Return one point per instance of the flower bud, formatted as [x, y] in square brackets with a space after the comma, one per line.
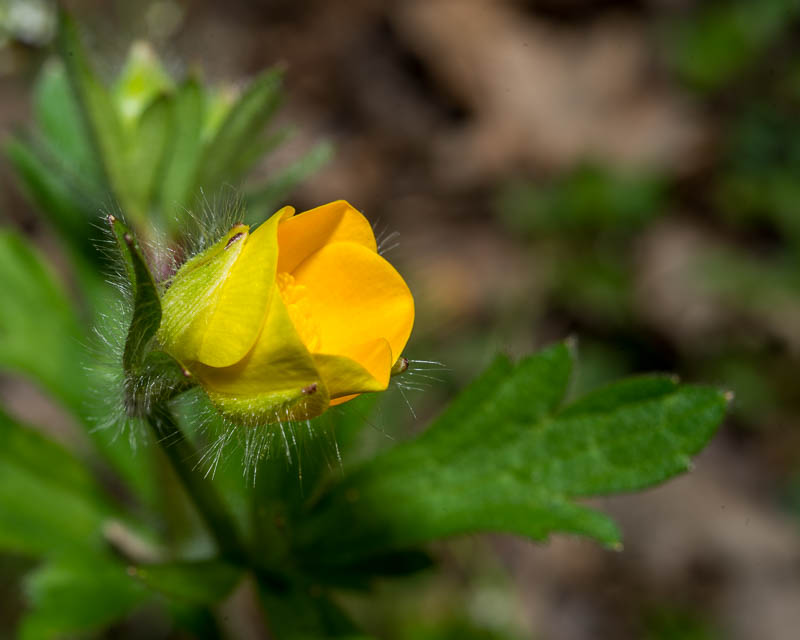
[282, 322]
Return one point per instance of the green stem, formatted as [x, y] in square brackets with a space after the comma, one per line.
[182, 455]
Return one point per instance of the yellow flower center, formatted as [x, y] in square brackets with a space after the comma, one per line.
[295, 298]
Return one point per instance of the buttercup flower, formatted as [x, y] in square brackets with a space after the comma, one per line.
[283, 322]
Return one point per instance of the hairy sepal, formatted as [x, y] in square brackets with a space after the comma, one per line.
[151, 376]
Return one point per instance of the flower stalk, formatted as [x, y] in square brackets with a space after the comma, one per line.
[201, 491]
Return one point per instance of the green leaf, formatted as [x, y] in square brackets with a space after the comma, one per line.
[140, 82]
[41, 338]
[146, 153]
[49, 503]
[203, 582]
[105, 129]
[184, 151]
[39, 334]
[146, 302]
[56, 164]
[240, 129]
[59, 119]
[49, 189]
[503, 457]
[78, 595]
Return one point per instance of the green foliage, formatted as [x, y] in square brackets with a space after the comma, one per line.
[506, 457]
[49, 503]
[583, 222]
[762, 159]
[77, 595]
[725, 38]
[589, 199]
[39, 331]
[205, 582]
[146, 302]
[148, 145]
[676, 624]
[509, 455]
[301, 612]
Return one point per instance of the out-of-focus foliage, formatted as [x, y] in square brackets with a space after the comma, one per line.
[520, 458]
[724, 39]
[592, 199]
[148, 145]
[109, 526]
[591, 226]
[40, 332]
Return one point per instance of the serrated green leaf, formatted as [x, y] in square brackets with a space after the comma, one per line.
[505, 458]
[204, 582]
[48, 501]
[78, 595]
[240, 129]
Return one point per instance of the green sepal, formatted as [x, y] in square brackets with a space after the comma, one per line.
[151, 375]
[146, 302]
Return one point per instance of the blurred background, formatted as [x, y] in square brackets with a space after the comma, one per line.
[622, 172]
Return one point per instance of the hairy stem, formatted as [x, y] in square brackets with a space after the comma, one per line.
[182, 455]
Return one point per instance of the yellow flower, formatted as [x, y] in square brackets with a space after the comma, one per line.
[285, 321]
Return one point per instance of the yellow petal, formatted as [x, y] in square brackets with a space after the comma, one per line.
[245, 297]
[276, 380]
[307, 232]
[367, 371]
[194, 292]
[356, 297]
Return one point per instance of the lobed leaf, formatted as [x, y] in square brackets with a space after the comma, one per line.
[506, 457]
